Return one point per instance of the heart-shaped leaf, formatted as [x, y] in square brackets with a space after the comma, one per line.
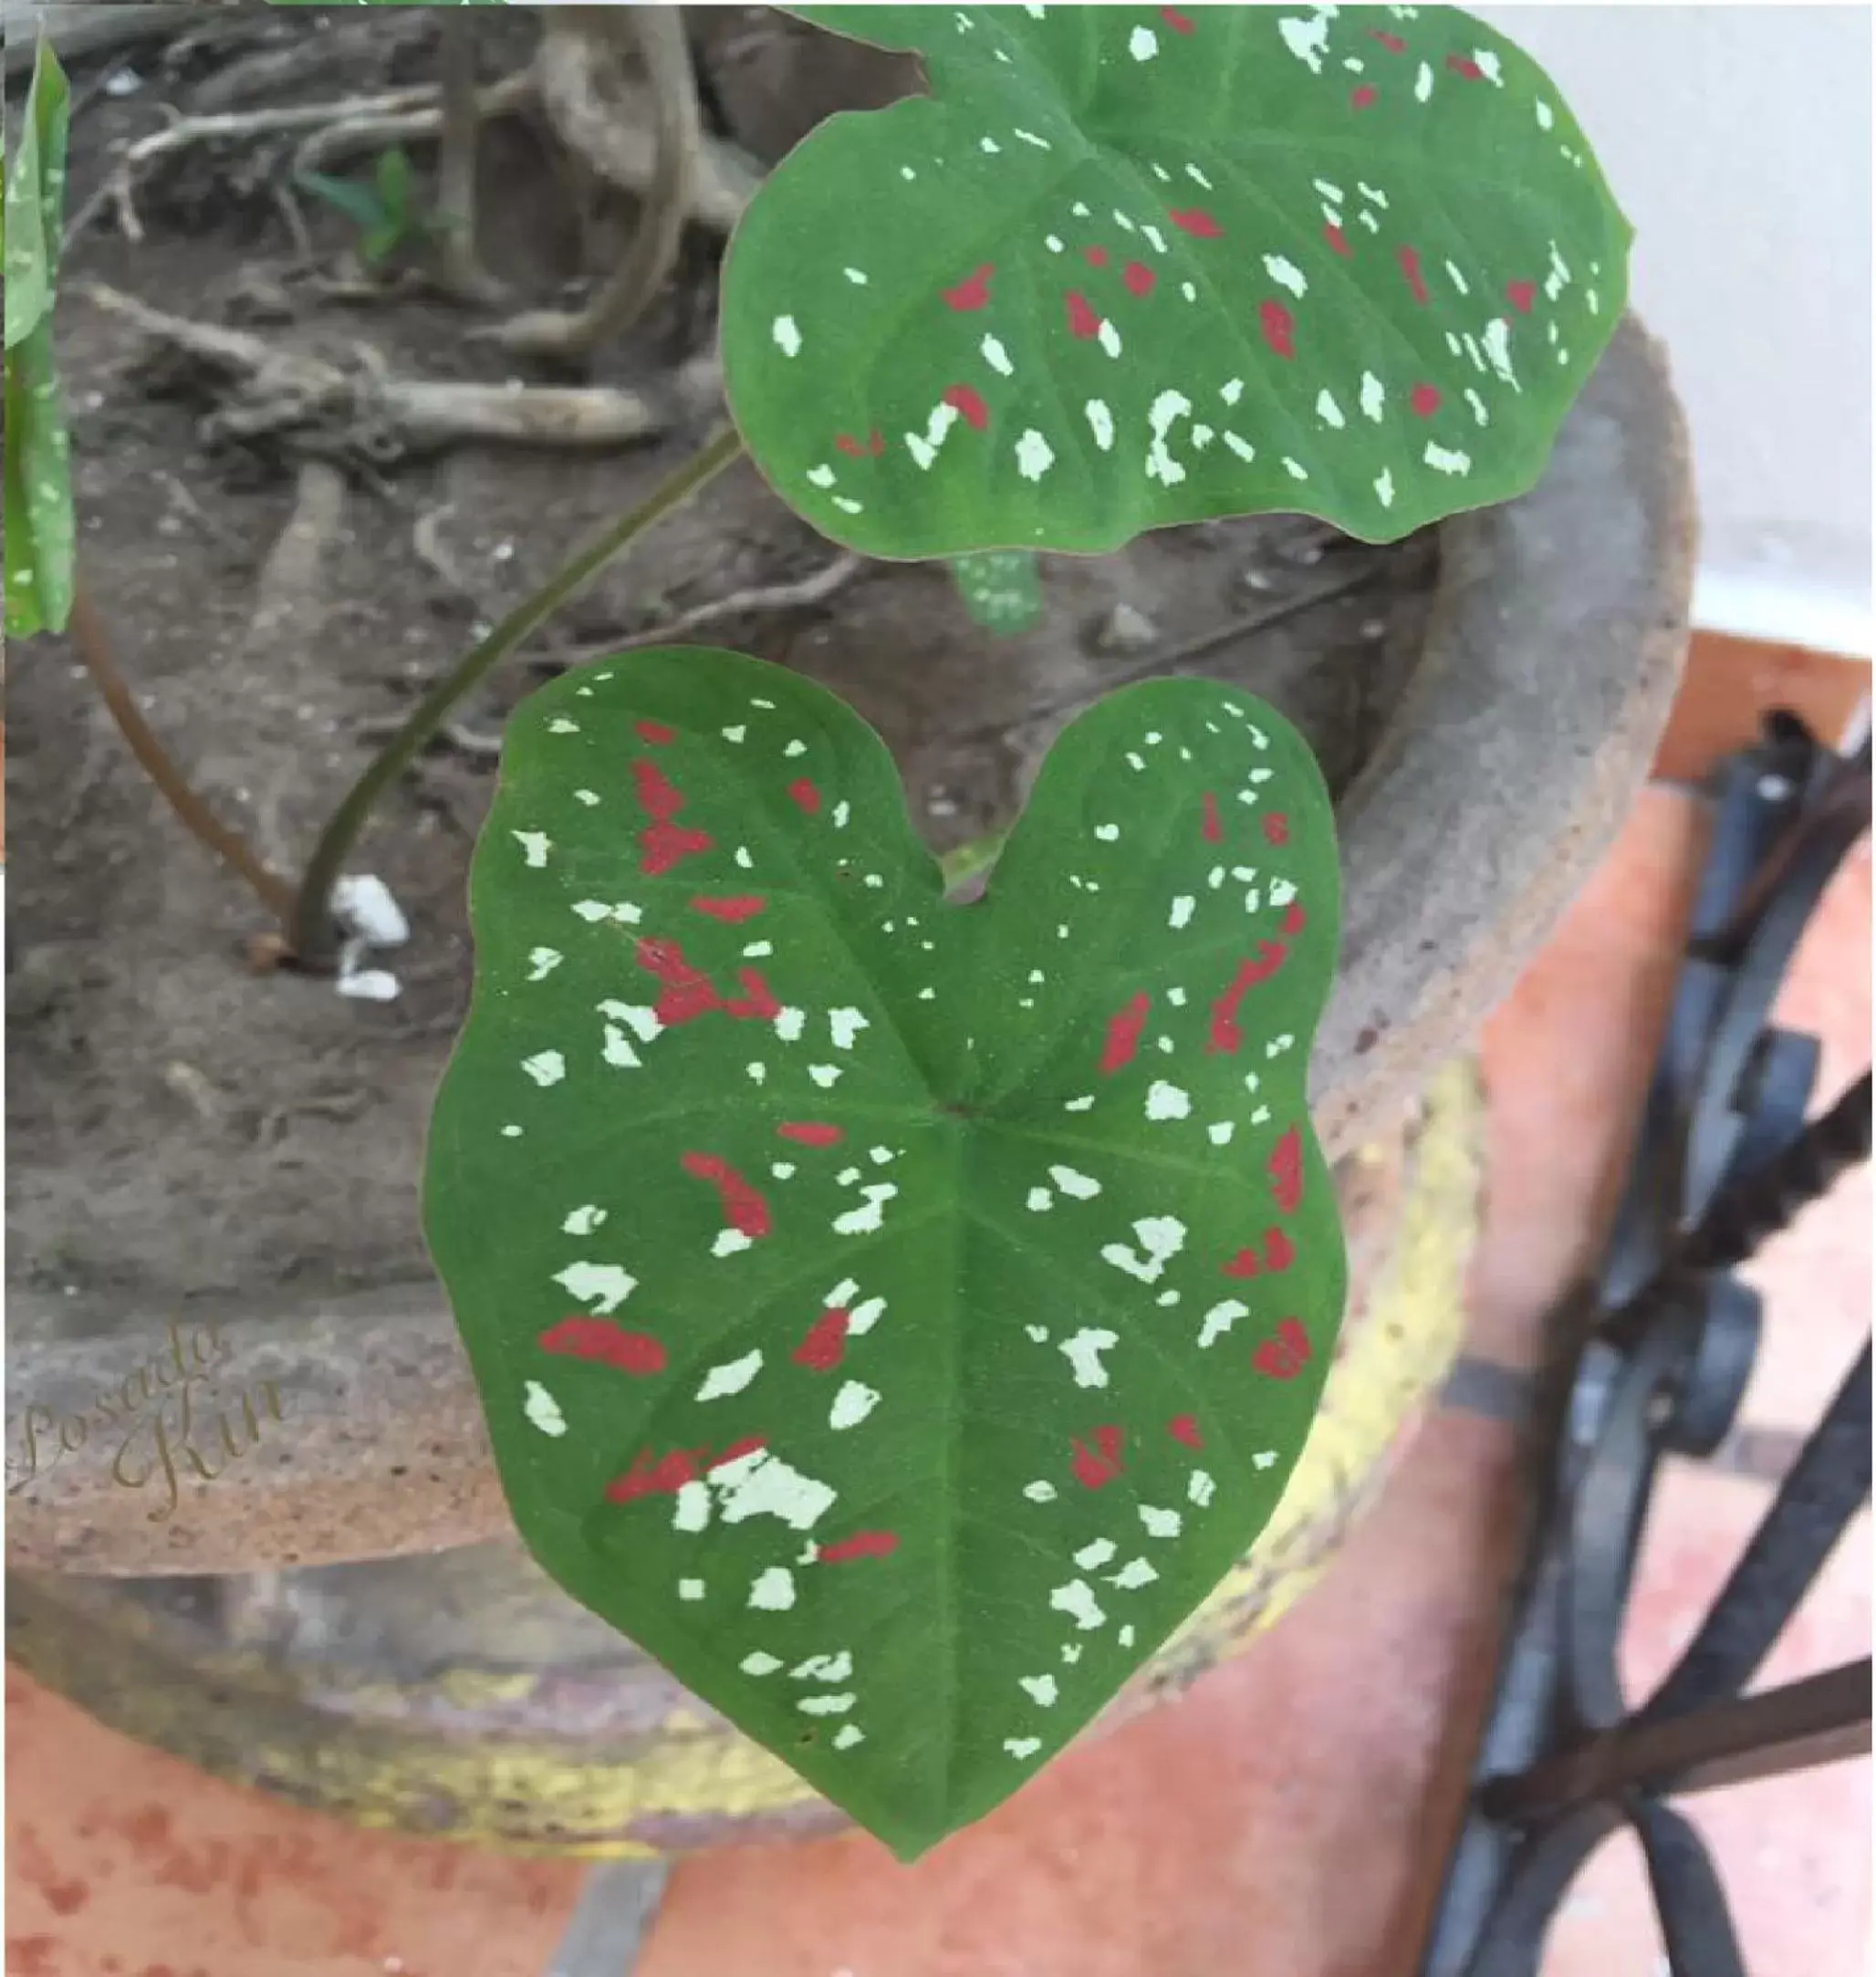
[894, 1316]
[1128, 266]
[1002, 590]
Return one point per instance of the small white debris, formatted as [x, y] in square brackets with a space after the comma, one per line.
[369, 985]
[545, 1068]
[787, 336]
[363, 904]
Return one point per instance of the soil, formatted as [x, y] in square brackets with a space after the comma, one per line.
[181, 1125]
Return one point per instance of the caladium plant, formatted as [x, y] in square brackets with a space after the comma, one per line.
[895, 1316]
[1126, 267]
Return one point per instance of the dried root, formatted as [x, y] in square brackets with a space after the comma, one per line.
[366, 413]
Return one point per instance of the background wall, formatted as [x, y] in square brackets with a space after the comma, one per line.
[1738, 140]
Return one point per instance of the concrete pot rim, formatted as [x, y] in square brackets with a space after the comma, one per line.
[1558, 627]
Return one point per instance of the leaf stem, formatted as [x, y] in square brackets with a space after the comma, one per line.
[91, 641]
[309, 929]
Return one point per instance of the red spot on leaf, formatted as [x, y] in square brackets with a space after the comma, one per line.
[1100, 1464]
[656, 732]
[1364, 98]
[1285, 1172]
[1213, 828]
[1294, 918]
[1139, 278]
[1196, 221]
[656, 1475]
[671, 1473]
[733, 907]
[1225, 1033]
[1463, 65]
[1277, 830]
[1123, 1034]
[825, 1344]
[601, 1340]
[1095, 256]
[861, 1544]
[972, 293]
[1084, 321]
[1244, 1265]
[1186, 1427]
[1409, 268]
[743, 1206]
[1279, 1252]
[1425, 400]
[1279, 328]
[848, 445]
[757, 1001]
[1179, 22]
[688, 992]
[1392, 42]
[806, 796]
[663, 844]
[1286, 1356]
[1338, 241]
[659, 797]
[1521, 295]
[747, 1445]
[811, 1134]
[976, 413]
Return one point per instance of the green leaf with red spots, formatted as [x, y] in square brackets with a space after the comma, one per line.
[1133, 265]
[894, 1316]
[1002, 590]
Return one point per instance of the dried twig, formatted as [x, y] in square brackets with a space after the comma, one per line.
[184, 131]
[371, 412]
[367, 128]
[816, 587]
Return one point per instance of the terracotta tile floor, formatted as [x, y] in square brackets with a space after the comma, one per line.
[1282, 1817]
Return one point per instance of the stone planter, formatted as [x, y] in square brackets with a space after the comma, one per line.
[434, 1681]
